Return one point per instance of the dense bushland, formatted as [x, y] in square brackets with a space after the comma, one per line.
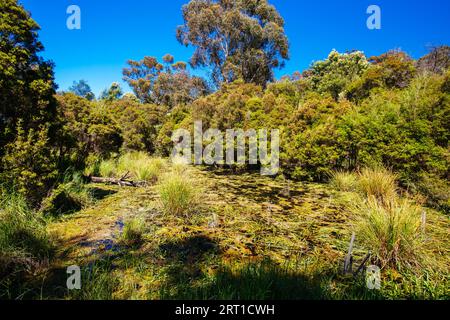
[346, 118]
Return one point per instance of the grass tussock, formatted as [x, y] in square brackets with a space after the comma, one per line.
[178, 194]
[98, 282]
[133, 232]
[388, 225]
[139, 165]
[392, 231]
[378, 182]
[107, 168]
[344, 181]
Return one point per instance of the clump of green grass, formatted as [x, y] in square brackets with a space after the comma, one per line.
[139, 165]
[98, 282]
[378, 182]
[107, 168]
[179, 165]
[392, 231]
[133, 232]
[344, 181]
[24, 242]
[179, 195]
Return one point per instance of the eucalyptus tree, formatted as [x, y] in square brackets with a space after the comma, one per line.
[237, 39]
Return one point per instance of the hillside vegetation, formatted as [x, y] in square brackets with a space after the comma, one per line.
[364, 150]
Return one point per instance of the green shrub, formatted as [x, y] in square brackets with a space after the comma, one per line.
[437, 192]
[391, 231]
[178, 195]
[30, 164]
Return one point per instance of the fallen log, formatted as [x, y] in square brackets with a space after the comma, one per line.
[121, 182]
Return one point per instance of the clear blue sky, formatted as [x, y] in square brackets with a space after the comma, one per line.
[114, 31]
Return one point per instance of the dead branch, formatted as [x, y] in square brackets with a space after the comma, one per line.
[121, 182]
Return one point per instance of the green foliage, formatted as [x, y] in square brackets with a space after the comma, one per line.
[26, 80]
[88, 127]
[30, 164]
[436, 191]
[28, 110]
[397, 68]
[138, 123]
[70, 196]
[335, 73]
[113, 93]
[245, 40]
[168, 85]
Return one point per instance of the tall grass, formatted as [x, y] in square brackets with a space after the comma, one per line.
[139, 165]
[378, 182]
[387, 225]
[107, 168]
[344, 181]
[179, 195]
[24, 242]
[391, 230]
[98, 282]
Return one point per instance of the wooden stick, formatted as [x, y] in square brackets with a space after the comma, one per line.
[348, 258]
[119, 182]
[362, 264]
[424, 222]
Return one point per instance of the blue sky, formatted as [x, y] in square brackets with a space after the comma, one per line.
[114, 31]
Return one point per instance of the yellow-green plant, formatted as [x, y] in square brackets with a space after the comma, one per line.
[377, 182]
[178, 194]
[133, 232]
[107, 168]
[141, 166]
[391, 230]
[344, 181]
